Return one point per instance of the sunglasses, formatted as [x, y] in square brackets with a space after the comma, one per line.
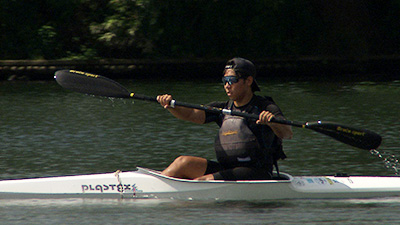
[230, 79]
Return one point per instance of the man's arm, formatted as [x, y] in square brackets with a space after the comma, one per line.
[183, 113]
[281, 130]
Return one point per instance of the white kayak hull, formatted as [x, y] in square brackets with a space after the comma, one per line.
[146, 183]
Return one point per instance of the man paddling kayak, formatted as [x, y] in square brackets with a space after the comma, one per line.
[246, 149]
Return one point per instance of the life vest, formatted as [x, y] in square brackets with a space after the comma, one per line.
[242, 142]
[235, 143]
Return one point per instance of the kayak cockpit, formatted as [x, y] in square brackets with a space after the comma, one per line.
[281, 176]
[276, 177]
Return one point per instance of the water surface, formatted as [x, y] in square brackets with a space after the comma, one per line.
[48, 131]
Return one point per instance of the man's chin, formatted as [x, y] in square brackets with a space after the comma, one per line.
[230, 96]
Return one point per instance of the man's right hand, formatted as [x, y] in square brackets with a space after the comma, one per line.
[164, 100]
[183, 113]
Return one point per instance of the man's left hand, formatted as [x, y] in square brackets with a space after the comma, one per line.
[265, 117]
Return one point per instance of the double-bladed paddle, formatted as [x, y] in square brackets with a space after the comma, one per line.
[93, 84]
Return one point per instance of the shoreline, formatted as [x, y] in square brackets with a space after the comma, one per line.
[303, 68]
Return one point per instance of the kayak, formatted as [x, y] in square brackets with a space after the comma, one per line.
[146, 183]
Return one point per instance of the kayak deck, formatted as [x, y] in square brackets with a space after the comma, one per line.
[145, 183]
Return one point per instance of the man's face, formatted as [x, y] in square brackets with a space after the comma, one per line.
[234, 90]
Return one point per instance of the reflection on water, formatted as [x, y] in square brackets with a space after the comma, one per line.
[48, 131]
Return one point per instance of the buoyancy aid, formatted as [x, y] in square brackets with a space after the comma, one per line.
[241, 141]
[235, 143]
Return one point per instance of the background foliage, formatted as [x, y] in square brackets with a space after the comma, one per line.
[86, 29]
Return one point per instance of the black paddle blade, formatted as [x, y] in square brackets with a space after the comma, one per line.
[91, 84]
[359, 138]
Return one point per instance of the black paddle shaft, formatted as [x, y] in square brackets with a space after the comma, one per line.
[93, 84]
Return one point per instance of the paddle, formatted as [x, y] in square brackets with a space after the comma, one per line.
[93, 84]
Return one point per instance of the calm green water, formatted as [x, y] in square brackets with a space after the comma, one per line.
[48, 131]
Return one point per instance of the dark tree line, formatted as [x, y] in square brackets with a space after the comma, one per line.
[86, 29]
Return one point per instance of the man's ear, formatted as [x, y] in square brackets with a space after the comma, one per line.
[249, 80]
